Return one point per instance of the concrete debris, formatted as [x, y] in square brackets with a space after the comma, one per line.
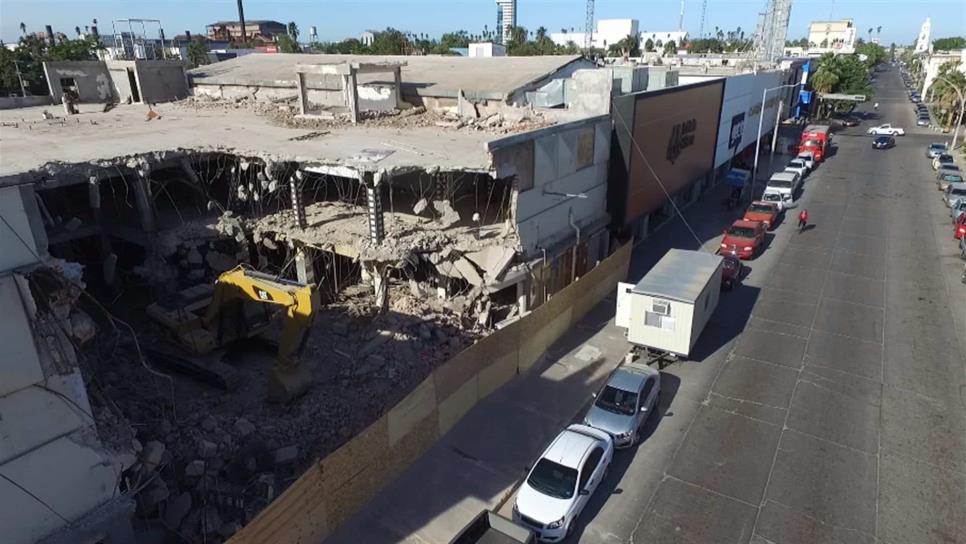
[207, 449]
[151, 455]
[209, 423]
[176, 510]
[447, 215]
[73, 224]
[468, 270]
[195, 468]
[286, 455]
[229, 528]
[420, 206]
[82, 327]
[220, 262]
[210, 522]
[194, 257]
[243, 427]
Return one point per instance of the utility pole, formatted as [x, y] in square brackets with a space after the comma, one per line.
[681, 18]
[23, 89]
[241, 21]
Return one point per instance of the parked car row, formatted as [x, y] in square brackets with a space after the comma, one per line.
[950, 181]
[562, 480]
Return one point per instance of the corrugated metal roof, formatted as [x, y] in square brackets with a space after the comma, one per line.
[679, 275]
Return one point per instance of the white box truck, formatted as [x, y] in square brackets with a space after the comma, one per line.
[667, 310]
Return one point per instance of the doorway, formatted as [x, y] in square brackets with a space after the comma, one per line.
[133, 82]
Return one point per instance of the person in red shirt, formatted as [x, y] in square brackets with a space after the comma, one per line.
[802, 220]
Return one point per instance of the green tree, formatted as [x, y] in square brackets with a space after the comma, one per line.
[391, 42]
[649, 45]
[875, 53]
[948, 44]
[626, 47]
[943, 91]
[287, 45]
[670, 48]
[197, 51]
[29, 56]
[293, 30]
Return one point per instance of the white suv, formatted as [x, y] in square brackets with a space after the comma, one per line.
[562, 480]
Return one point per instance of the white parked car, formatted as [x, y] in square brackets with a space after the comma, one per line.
[783, 200]
[809, 159]
[562, 480]
[886, 130]
[797, 166]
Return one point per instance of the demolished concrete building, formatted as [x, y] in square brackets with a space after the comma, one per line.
[423, 227]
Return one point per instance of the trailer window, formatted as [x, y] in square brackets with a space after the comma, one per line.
[652, 319]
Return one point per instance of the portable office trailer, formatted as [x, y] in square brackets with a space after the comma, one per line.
[667, 310]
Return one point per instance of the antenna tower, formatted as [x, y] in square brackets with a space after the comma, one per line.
[704, 12]
[589, 25]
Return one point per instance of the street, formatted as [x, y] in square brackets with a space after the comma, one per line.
[837, 413]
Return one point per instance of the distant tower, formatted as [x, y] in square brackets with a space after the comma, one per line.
[506, 19]
[772, 30]
[922, 42]
[313, 34]
[589, 25]
[681, 18]
[704, 12]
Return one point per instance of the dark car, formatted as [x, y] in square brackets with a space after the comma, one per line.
[850, 121]
[883, 142]
[731, 270]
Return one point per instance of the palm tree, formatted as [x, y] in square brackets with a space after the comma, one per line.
[293, 30]
[870, 33]
[878, 32]
[77, 30]
[23, 28]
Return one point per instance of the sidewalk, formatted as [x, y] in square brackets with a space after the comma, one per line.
[478, 463]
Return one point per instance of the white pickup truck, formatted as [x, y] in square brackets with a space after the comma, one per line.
[886, 130]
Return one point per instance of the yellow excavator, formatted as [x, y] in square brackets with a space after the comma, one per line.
[204, 318]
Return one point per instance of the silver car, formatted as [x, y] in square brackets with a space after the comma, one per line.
[621, 407]
[958, 207]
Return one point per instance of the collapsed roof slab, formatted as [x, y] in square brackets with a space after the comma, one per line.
[479, 78]
[344, 229]
[33, 147]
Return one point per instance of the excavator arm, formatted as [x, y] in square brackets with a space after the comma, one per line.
[289, 378]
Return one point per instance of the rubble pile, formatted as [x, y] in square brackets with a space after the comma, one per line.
[209, 460]
[284, 112]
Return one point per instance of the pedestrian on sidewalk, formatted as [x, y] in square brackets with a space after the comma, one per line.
[802, 220]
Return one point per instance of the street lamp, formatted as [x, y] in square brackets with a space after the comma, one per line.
[962, 108]
[761, 119]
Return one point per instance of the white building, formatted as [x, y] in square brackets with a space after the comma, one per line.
[832, 37]
[923, 42]
[934, 62]
[506, 18]
[367, 38]
[608, 32]
[676, 36]
[487, 49]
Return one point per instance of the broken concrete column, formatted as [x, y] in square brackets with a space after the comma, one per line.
[142, 197]
[377, 226]
[351, 94]
[380, 284]
[298, 207]
[523, 296]
[304, 268]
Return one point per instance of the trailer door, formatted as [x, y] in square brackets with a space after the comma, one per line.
[623, 317]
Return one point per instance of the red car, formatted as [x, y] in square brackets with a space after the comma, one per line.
[765, 212]
[744, 238]
[960, 229]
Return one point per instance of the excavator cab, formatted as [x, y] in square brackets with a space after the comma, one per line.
[205, 318]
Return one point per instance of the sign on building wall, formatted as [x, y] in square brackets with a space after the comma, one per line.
[667, 140]
[737, 131]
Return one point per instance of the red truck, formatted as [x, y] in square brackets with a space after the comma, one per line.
[815, 140]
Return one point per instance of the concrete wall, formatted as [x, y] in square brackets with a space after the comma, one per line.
[336, 487]
[91, 78]
[120, 80]
[570, 158]
[161, 80]
[14, 102]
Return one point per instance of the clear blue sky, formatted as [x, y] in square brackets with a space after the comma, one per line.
[338, 19]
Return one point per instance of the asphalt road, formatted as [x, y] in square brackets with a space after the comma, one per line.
[828, 401]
